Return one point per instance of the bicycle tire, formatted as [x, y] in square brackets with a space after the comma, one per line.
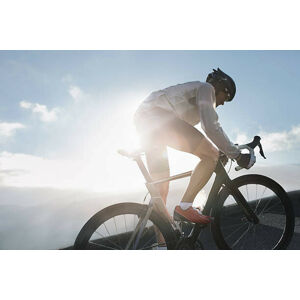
[280, 203]
[83, 242]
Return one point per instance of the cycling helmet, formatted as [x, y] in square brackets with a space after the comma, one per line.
[225, 82]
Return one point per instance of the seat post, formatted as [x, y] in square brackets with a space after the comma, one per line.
[156, 200]
[143, 169]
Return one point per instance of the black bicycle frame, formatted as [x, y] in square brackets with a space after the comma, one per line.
[221, 180]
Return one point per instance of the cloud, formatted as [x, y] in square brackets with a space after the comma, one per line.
[75, 92]
[41, 110]
[24, 170]
[25, 104]
[9, 129]
[276, 141]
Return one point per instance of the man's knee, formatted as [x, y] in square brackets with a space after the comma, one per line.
[214, 154]
[207, 151]
[210, 161]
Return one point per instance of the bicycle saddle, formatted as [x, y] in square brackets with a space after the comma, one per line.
[132, 154]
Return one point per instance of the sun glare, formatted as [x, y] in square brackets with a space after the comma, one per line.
[105, 169]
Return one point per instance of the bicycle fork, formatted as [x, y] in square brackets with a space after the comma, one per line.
[241, 201]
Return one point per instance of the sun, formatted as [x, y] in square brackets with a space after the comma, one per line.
[104, 168]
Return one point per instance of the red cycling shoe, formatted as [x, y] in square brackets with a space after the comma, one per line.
[191, 215]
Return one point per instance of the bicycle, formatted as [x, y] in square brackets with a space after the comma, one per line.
[249, 212]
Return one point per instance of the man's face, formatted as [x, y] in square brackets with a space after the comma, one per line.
[221, 98]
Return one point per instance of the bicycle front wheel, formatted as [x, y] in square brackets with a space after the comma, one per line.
[270, 203]
[112, 228]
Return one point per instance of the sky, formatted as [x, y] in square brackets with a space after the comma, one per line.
[64, 114]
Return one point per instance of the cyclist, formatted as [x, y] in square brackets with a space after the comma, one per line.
[167, 118]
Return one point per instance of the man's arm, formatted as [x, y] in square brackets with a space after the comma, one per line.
[210, 124]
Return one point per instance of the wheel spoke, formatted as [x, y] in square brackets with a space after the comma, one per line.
[258, 202]
[247, 192]
[102, 246]
[228, 236]
[237, 241]
[249, 229]
[272, 206]
[125, 223]
[106, 228]
[256, 192]
[266, 205]
[108, 239]
[115, 225]
[262, 198]
[118, 237]
[254, 235]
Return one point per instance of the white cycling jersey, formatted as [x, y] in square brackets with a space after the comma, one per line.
[193, 102]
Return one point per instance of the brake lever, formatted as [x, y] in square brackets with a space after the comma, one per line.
[261, 151]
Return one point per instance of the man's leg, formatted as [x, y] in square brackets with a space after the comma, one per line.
[184, 137]
[203, 171]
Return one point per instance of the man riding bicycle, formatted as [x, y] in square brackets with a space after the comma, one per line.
[167, 118]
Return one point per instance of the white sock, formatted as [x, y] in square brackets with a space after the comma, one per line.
[185, 205]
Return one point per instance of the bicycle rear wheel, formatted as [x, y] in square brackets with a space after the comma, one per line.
[232, 230]
[112, 227]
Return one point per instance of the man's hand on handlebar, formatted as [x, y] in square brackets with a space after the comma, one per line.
[243, 160]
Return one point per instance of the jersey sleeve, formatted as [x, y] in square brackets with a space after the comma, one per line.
[209, 121]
